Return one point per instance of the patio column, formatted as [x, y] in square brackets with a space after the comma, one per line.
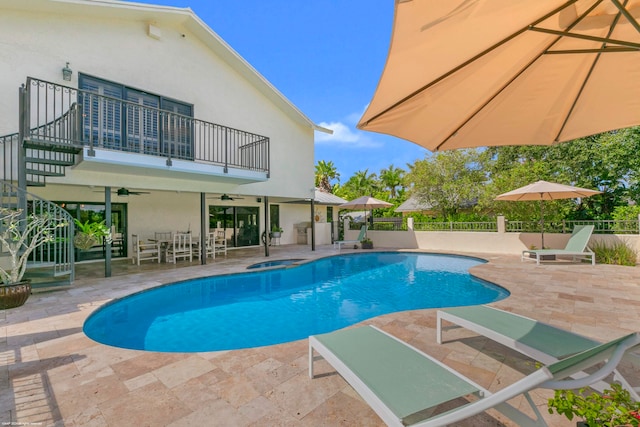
[107, 244]
[266, 225]
[204, 219]
[313, 224]
[502, 226]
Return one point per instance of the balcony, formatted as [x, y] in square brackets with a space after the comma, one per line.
[59, 120]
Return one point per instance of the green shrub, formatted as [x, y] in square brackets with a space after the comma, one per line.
[625, 218]
[622, 213]
[619, 253]
[612, 408]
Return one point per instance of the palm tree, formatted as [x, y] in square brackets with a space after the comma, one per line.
[364, 183]
[325, 172]
[392, 178]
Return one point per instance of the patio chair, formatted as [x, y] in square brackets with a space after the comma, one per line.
[576, 247]
[339, 243]
[181, 247]
[144, 250]
[540, 341]
[209, 246]
[220, 242]
[164, 236]
[405, 386]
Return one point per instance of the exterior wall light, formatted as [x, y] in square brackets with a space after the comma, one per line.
[66, 73]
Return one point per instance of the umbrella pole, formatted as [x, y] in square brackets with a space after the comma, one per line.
[366, 224]
[542, 221]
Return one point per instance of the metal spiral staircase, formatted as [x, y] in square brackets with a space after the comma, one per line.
[51, 264]
[29, 157]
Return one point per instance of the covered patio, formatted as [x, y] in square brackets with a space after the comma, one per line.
[56, 375]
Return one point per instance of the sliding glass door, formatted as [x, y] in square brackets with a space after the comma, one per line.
[95, 212]
[240, 224]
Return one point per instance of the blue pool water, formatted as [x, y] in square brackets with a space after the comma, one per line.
[279, 305]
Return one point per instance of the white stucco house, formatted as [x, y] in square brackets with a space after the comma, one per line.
[150, 104]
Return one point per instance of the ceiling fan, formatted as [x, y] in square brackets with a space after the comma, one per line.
[124, 192]
[227, 197]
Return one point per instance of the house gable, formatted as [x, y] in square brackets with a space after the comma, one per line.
[154, 17]
[164, 51]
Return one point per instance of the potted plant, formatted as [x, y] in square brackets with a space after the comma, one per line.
[89, 234]
[276, 231]
[19, 236]
[366, 243]
[613, 408]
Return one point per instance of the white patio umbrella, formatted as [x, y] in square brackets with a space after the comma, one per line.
[365, 203]
[463, 74]
[543, 190]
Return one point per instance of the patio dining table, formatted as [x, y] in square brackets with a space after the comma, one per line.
[164, 247]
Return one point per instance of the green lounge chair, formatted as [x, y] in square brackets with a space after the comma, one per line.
[537, 340]
[576, 247]
[405, 386]
[338, 243]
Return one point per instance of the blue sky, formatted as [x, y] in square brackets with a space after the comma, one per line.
[326, 57]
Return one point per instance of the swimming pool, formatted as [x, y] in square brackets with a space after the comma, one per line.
[279, 305]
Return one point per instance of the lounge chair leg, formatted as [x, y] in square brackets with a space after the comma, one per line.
[310, 361]
[520, 417]
[534, 408]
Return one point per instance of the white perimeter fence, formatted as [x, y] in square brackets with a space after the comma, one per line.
[500, 237]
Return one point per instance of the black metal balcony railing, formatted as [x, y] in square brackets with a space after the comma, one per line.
[64, 116]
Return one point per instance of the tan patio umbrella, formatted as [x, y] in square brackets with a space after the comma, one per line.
[543, 190]
[463, 73]
[365, 203]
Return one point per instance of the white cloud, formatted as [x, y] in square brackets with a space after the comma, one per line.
[341, 132]
[344, 135]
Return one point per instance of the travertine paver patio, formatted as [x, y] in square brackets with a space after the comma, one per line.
[52, 374]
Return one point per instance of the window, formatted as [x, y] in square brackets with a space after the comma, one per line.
[127, 119]
[101, 112]
[143, 133]
[177, 129]
[274, 216]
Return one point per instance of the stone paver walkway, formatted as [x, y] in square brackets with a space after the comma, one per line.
[52, 374]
